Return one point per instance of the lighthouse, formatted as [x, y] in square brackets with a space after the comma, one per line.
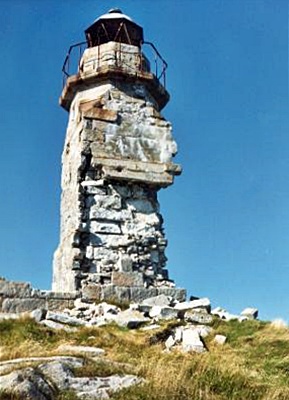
[118, 154]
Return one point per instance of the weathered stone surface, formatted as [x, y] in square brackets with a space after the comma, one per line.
[220, 339]
[38, 314]
[58, 373]
[200, 303]
[18, 305]
[82, 350]
[63, 318]
[127, 278]
[28, 383]
[99, 388]
[49, 294]
[170, 342]
[203, 330]
[14, 289]
[57, 325]
[6, 366]
[92, 291]
[45, 381]
[130, 319]
[138, 294]
[160, 300]
[191, 341]
[175, 293]
[250, 313]
[223, 314]
[58, 304]
[163, 312]
[198, 315]
[118, 154]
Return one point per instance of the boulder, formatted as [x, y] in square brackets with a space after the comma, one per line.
[161, 300]
[163, 312]
[6, 366]
[130, 319]
[57, 325]
[250, 313]
[28, 383]
[38, 314]
[200, 303]
[198, 315]
[225, 315]
[203, 330]
[18, 305]
[45, 381]
[170, 342]
[220, 339]
[81, 305]
[64, 318]
[191, 341]
[99, 388]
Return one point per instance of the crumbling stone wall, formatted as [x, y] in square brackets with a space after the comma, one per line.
[117, 156]
[17, 297]
[20, 297]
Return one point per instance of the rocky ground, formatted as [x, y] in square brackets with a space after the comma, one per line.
[177, 326]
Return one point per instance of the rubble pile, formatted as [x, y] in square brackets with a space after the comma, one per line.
[195, 317]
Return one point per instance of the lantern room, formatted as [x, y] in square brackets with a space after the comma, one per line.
[114, 49]
[114, 27]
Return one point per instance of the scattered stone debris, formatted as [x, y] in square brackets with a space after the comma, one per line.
[187, 328]
[250, 313]
[45, 380]
[149, 311]
[220, 339]
[225, 315]
[83, 350]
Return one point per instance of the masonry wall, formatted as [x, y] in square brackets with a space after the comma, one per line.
[117, 156]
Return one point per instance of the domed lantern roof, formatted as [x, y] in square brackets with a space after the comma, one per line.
[116, 27]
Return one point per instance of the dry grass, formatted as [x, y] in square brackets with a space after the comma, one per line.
[253, 365]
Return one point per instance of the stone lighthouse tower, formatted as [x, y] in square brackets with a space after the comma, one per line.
[117, 156]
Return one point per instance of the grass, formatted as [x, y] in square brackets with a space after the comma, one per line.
[252, 365]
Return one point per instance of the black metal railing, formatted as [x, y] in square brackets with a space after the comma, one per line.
[158, 65]
[72, 60]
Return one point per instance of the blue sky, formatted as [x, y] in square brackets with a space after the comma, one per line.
[227, 216]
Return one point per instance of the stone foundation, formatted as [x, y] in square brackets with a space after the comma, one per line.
[17, 297]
